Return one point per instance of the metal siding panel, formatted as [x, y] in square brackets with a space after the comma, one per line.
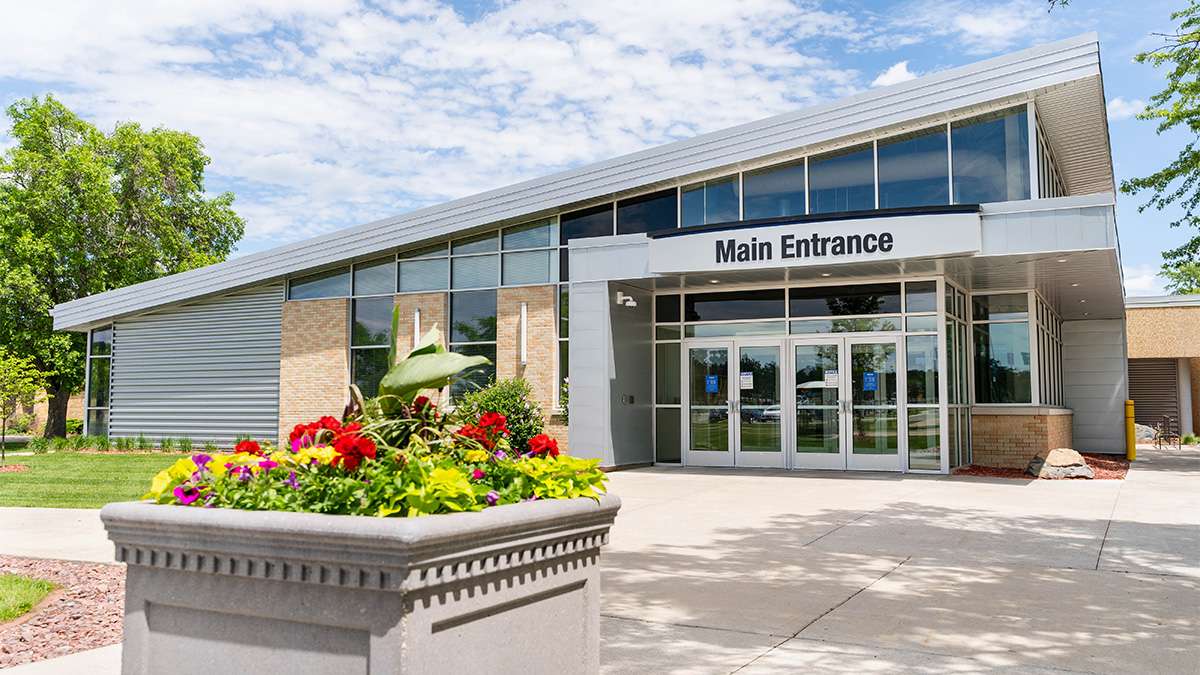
[1096, 347]
[1048, 65]
[1154, 388]
[208, 370]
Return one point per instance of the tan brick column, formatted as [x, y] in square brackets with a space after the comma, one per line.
[541, 340]
[314, 372]
[433, 308]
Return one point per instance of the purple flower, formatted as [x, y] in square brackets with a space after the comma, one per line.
[492, 497]
[186, 494]
[291, 481]
[268, 464]
[298, 443]
[241, 472]
[500, 454]
[201, 460]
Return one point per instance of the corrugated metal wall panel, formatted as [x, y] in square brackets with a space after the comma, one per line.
[207, 370]
[1154, 388]
[1095, 383]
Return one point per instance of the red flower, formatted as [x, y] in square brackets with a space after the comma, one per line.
[247, 447]
[313, 429]
[423, 407]
[495, 422]
[478, 434]
[478, 474]
[352, 449]
[543, 444]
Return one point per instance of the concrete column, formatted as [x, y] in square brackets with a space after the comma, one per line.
[1185, 396]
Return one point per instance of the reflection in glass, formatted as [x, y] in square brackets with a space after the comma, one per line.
[845, 300]
[873, 374]
[713, 201]
[532, 235]
[913, 170]
[476, 378]
[775, 191]
[666, 435]
[920, 296]
[991, 158]
[332, 284]
[369, 365]
[922, 323]
[760, 415]
[648, 213]
[98, 383]
[842, 181]
[1000, 307]
[733, 305]
[372, 321]
[666, 309]
[1002, 363]
[666, 372]
[921, 352]
[730, 329]
[817, 416]
[424, 275]
[375, 278]
[874, 432]
[708, 390]
[97, 423]
[594, 222]
[473, 316]
[924, 442]
[102, 341]
[481, 243]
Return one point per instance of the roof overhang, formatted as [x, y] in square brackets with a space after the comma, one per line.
[1061, 78]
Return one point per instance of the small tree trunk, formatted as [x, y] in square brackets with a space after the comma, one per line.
[56, 412]
[3, 439]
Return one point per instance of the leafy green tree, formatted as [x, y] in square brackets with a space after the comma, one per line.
[1183, 278]
[82, 212]
[21, 385]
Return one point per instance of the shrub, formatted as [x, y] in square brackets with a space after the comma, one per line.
[166, 444]
[74, 427]
[393, 455]
[77, 443]
[21, 424]
[101, 443]
[511, 398]
[123, 444]
[59, 444]
[39, 445]
[142, 443]
[185, 444]
[210, 447]
[1189, 439]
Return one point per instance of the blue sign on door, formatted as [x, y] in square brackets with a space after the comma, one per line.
[710, 384]
[870, 381]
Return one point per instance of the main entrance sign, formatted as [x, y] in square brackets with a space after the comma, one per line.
[822, 243]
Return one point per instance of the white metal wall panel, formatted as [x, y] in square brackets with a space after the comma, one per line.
[1095, 382]
[207, 370]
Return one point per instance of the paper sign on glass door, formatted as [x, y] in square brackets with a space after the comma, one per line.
[710, 384]
[747, 380]
[831, 378]
[870, 381]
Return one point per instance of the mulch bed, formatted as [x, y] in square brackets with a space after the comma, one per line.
[1106, 467]
[84, 613]
[13, 468]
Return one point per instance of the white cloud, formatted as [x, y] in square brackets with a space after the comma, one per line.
[980, 26]
[1143, 280]
[894, 75]
[1123, 109]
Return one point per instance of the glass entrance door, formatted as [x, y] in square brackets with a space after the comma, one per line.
[709, 404]
[759, 420]
[846, 403]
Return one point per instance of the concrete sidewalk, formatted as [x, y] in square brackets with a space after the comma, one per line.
[716, 571]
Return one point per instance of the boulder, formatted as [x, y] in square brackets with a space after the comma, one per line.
[1059, 463]
[1143, 432]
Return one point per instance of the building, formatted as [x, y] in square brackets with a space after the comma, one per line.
[909, 279]
[1164, 359]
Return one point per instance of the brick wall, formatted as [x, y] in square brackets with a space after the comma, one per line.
[313, 369]
[1011, 440]
[433, 308]
[541, 343]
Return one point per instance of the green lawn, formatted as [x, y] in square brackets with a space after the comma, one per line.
[20, 594]
[77, 480]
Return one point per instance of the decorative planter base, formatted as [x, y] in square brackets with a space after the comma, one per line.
[507, 589]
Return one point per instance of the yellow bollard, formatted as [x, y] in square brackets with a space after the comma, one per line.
[1130, 434]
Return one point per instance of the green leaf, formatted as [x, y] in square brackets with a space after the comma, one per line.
[426, 371]
[431, 343]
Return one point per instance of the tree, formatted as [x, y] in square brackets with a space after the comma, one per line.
[21, 385]
[82, 212]
[1177, 106]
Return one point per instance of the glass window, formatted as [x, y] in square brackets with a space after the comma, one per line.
[97, 422]
[331, 284]
[916, 324]
[473, 316]
[372, 322]
[475, 378]
[920, 296]
[924, 439]
[481, 243]
[730, 329]
[532, 235]
[369, 366]
[732, 305]
[648, 213]
[922, 355]
[564, 261]
[98, 383]
[713, 201]
[775, 191]
[374, 278]
[913, 170]
[1002, 363]
[991, 158]
[564, 311]
[1003, 307]
[845, 300]
[666, 309]
[424, 275]
[102, 341]
[529, 267]
[594, 222]
[667, 332]
[667, 442]
[476, 271]
[842, 181]
[434, 251]
[666, 372]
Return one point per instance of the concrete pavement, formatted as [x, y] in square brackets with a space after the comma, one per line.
[716, 571]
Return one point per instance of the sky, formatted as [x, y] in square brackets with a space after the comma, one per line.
[321, 114]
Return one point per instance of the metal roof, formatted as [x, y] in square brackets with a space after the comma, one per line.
[1149, 301]
[1037, 71]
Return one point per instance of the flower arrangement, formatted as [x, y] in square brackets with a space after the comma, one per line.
[395, 455]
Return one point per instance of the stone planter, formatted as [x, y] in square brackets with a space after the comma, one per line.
[510, 589]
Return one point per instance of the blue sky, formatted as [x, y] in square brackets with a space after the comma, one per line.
[320, 114]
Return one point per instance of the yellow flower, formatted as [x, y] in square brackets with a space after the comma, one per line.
[477, 455]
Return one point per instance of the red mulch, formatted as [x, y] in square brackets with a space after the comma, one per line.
[13, 468]
[1106, 467]
[84, 613]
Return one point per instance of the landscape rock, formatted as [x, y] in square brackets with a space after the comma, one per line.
[1059, 463]
[1143, 432]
